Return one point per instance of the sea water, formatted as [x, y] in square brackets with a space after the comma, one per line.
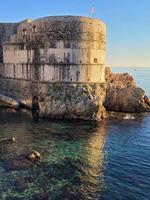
[108, 160]
[140, 74]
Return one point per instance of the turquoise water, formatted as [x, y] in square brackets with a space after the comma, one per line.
[109, 160]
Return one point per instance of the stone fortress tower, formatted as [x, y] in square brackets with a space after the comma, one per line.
[56, 49]
[55, 65]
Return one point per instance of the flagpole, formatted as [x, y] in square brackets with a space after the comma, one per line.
[92, 9]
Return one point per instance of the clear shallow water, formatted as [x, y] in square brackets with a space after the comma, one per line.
[109, 160]
[80, 160]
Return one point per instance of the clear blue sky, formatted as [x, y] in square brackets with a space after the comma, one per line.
[128, 23]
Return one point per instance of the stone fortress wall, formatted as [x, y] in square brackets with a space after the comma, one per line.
[56, 49]
[6, 30]
[57, 61]
[56, 64]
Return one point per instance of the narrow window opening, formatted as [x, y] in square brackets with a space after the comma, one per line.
[21, 47]
[77, 76]
[34, 29]
[95, 60]
[24, 32]
[52, 44]
[66, 44]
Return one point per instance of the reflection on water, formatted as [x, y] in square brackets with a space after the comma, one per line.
[72, 158]
[80, 160]
[35, 116]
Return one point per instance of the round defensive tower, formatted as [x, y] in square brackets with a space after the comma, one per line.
[62, 48]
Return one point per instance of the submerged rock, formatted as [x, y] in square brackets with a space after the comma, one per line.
[16, 164]
[122, 95]
[34, 155]
[8, 141]
[13, 139]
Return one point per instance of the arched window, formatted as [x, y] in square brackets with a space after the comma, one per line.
[24, 31]
[34, 29]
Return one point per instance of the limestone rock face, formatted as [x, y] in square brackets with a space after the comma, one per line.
[122, 95]
[107, 72]
[119, 81]
[73, 101]
[129, 99]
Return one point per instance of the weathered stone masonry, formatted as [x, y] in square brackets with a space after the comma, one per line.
[59, 100]
[61, 61]
[6, 30]
[66, 49]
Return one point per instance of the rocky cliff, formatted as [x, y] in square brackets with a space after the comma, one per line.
[58, 100]
[73, 101]
[122, 94]
[87, 101]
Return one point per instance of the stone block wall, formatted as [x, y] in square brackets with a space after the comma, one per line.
[65, 49]
[6, 30]
[59, 100]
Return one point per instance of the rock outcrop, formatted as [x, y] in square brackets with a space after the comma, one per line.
[87, 101]
[73, 101]
[122, 95]
[8, 101]
[34, 156]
